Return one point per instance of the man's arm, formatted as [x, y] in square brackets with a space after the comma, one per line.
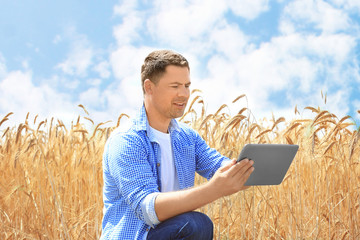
[227, 180]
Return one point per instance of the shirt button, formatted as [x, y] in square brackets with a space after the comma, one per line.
[158, 164]
[147, 229]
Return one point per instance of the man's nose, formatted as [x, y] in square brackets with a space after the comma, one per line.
[184, 91]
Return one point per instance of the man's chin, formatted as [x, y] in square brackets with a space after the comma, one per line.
[177, 114]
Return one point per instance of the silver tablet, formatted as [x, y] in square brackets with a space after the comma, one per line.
[271, 162]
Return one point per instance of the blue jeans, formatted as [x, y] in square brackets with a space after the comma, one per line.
[190, 225]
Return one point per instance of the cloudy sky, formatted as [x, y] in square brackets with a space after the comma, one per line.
[55, 55]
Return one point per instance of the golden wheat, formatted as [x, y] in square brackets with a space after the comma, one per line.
[51, 177]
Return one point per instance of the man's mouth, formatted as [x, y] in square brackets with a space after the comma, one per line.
[180, 104]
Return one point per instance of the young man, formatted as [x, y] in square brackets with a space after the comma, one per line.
[149, 169]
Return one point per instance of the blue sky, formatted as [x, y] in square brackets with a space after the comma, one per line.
[55, 55]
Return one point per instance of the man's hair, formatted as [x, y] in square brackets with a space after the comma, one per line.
[156, 62]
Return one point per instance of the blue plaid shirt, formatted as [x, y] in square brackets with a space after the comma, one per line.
[131, 173]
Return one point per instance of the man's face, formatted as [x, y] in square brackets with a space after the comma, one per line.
[171, 93]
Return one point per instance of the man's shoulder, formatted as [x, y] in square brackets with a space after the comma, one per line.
[126, 133]
[123, 128]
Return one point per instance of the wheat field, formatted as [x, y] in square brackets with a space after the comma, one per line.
[51, 176]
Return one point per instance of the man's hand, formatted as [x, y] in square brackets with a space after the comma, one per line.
[231, 178]
[227, 180]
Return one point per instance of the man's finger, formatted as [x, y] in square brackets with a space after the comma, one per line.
[241, 167]
[245, 176]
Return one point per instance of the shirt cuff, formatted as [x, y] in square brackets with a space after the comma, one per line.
[148, 209]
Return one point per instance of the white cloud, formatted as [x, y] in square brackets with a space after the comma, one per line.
[79, 57]
[2, 66]
[338, 47]
[180, 23]
[91, 98]
[129, 30]
[349, 5]
[127, 60]
[229, 40]
[61, 82]
[184, 25]
[125, 7]
[317, 13]
[124, 94]
[249, 9]
[298, 66]
[94, 82]
[225, 63]
[315, 50]
[20, 95]
[102, 69]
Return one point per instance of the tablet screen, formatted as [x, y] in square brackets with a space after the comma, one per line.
[271, 162]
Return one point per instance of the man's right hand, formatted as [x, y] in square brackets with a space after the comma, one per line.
[227, 180]
[231, 178]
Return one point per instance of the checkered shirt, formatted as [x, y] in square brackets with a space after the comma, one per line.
[131, 173]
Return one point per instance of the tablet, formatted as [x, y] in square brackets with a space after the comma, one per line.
[271, 162]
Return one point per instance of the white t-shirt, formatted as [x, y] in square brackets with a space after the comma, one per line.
[169, 179]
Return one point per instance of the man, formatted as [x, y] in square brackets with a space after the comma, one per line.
[149, 169]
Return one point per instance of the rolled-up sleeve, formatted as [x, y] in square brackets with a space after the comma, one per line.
[132, 174]
[148, 210]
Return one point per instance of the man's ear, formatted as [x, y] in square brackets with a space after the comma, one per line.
[148, 85]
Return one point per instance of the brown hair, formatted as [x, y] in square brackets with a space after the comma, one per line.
[156, 62]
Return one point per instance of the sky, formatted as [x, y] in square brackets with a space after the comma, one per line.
[55, 55]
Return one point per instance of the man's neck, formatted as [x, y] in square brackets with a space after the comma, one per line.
[155, 120]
